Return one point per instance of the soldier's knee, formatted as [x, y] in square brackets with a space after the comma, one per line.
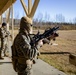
[29, 70]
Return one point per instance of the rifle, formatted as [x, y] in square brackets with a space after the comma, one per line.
[36, 38]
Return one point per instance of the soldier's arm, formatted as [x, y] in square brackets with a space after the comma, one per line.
[8, 34]
[26, 48]
[2, 34]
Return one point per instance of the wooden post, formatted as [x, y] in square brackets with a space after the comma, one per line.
[29, 6]
[24, 6]
[12, 16]
[7, 22]
[34, 7]
[72, 59]
[8, 18]
[1, 20]
[29, 11]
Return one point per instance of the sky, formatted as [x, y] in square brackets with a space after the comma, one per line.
[51, 8]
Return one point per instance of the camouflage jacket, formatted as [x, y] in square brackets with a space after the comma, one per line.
[22, 48]
[4, 33]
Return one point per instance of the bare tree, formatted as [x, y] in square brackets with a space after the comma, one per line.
[16, 15]
[74, 20]
[40, 17]
[16, 20]
[47, 17]
[60, 18]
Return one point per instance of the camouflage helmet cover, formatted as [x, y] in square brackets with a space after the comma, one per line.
[25, 23]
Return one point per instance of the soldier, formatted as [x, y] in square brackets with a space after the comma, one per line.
[22, 52]
[3, 35]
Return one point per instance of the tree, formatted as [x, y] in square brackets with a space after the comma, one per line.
[16, 21]
[40, 17]
[60, 18]
[47, 17]
[74, 20]
[16, 15]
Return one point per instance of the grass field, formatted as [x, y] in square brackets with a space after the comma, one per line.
[66, 43]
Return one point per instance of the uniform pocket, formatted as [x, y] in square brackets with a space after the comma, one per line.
[21, 67]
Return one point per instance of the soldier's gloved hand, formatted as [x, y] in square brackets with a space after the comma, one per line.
[40, 43]
[46, 41]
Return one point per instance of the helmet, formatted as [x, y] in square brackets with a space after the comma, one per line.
[25, 24]
[4, 24]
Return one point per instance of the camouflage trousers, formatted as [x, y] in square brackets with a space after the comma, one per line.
[4, 47]
[24, 69]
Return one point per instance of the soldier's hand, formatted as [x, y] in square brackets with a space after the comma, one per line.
[40, 43]
[11, 36]
[46, 41]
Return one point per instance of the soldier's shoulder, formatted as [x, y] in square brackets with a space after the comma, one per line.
[18, 37]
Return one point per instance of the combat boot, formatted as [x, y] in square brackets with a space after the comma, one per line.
[0, 56]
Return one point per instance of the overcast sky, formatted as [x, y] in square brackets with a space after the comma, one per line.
[67, 8]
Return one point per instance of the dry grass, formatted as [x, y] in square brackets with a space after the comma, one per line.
[66, 43]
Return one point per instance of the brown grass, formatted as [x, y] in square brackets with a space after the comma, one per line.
[66, 43]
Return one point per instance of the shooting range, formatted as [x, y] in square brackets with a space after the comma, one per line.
[7, 8]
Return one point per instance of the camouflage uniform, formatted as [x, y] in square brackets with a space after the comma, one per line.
[3, 35]
[22, 52]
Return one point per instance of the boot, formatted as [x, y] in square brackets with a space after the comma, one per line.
[0, 56]
[5, 55]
